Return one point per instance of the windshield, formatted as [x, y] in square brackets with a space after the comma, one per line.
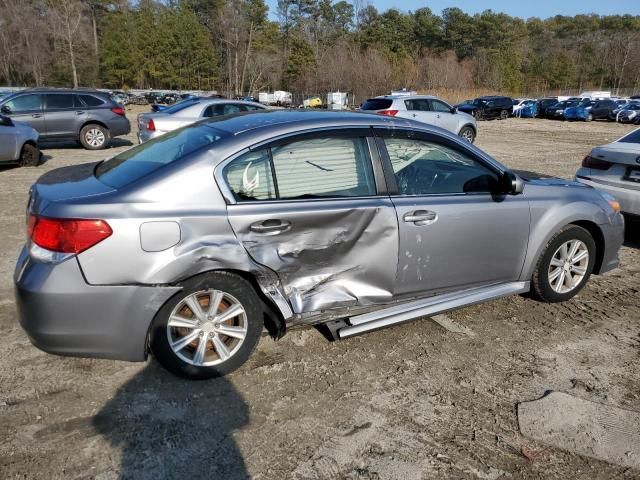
[144, 159]
[479, 103]
[180, 106]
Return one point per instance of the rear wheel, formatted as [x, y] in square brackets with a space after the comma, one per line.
[468, 134]
[565, 265]
[477, 115]
[30, 156]
[94, 137]
[589, 117]
[504, 115]
[210, 329]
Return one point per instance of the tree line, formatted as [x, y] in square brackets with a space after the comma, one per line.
[238, 47]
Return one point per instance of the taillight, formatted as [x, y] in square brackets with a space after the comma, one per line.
[67, 235]
[595, 163]
[118, 111]
[388, 113]
[151, 126]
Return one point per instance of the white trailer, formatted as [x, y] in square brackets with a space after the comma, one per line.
[337, 100]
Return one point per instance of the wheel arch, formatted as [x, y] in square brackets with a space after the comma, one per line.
[471, 126]
[598, 237]
[92, 122]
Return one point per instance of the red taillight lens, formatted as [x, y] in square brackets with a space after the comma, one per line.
[67, 235]
[118, 111]
[595, 163]
[151, 126]
[389, 113]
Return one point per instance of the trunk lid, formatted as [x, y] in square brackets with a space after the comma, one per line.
[619, 152]
[66, 184]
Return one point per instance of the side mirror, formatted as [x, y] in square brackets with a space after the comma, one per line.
[6, 121]
[512, 184]
[5, 109]
[454, 110]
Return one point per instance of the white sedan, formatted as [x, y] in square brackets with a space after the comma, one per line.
[154, 124]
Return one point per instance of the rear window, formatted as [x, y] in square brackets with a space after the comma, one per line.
[91, 101]
[376, 104]
[180, 106]
[633, 137]
[144, 159]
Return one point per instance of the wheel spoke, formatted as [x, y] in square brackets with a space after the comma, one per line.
[556, 262]
[569, 279]
[184, 341]
[232, 331]
[563, 251]
[221, 348]
[232, 311]
[555, 274]
[575, 245]
[215, 297]
[181, 322]
[579, 270]
[198, 358]
[560, 282]
[580, 256]
[194, 305]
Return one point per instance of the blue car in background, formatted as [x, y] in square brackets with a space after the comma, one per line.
[581, 111]
[526, 109]
[157, 107]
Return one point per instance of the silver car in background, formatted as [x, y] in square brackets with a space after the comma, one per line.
[154, 124]
[18, 143]
[615, 168]
[426, 109]
[188, 245]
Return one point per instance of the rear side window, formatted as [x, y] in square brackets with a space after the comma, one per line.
[24, 103]
[219, 109]
[633, 137]
[91, 101]
[376, 104]
[421, 105]
[426, 168]
[311, 168]
[144, 159]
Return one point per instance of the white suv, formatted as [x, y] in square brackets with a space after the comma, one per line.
[426, 109]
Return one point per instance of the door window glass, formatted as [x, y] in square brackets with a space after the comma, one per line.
[91, 101]
[439, 106]
[323, 167]
[418, 104]
[57, 101]
[423, 168]
[24, 103]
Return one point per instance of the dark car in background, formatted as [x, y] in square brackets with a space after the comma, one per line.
[544, 104]
[556, 111]
[488, 108]
[603, 109]
[629, 113]
[91, 117]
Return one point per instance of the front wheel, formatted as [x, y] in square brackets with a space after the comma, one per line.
[30, 156]
[209, 329]
[94, 137]
[468, 134]
[565, 265]
[504, 115]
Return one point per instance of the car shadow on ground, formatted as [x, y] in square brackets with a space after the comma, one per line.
[51, 144]
[632, 232]
[167, 427]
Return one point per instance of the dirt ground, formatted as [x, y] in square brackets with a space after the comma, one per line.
[416, 401]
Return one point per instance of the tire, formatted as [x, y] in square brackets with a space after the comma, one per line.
[94, 137]
[549, 289]
[504, 115]
[468, 134]
[30, 156]
[191, 360]
[477, 115]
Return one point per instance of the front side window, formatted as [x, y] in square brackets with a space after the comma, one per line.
[331, 167]
[439, 106]
[24, 103]
[427, 168]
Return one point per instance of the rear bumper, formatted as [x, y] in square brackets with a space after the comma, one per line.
[146, 135]
[119, 126]
[629, 199]
[62, 314]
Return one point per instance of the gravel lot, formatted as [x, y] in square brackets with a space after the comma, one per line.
[415, 401]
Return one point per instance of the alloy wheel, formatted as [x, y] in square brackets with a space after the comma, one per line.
[467, 134]
[568, 266]
[95, 137]
[207, 328]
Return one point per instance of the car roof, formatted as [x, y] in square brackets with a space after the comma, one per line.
[406, 97]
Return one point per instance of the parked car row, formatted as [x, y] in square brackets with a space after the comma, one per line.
[18, 143]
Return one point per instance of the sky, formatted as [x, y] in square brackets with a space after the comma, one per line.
[516, 8]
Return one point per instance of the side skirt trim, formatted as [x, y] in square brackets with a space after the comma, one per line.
[429, 306]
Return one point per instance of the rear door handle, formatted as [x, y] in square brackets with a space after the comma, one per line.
[80, 112]
[36, 115]
[420, 217]
[271, 226]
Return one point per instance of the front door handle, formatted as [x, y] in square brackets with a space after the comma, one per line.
[271, 226]
[420, 217]
[36, 115]
[79, 112]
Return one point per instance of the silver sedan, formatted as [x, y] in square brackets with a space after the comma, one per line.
[18, 143]
[188, 245]
[154, 124]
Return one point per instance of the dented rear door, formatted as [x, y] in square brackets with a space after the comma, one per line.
[311, 209]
